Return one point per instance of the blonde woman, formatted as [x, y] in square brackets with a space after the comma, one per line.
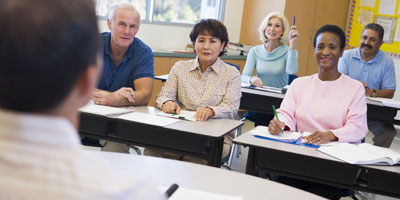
[273, 60]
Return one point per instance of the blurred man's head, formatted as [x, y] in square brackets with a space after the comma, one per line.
[49, 50]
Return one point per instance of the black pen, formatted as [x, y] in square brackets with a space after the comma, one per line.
[171, 190]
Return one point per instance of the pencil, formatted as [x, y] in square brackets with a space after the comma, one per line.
[276, 115]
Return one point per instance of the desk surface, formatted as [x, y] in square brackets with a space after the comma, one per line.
[309, 164]
[204, 178]
[211, 128]
[203, 139]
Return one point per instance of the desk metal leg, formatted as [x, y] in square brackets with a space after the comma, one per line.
[250, 165]
[214, 157]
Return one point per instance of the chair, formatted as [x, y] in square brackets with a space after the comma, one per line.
[231, 64]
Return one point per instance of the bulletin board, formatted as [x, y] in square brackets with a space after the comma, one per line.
[383, 12]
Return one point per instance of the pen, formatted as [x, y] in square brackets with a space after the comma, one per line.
[276, 115]
[171, 190]
[294, 20]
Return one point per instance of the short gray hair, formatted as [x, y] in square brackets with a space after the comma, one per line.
[285, 37]
[126, 6]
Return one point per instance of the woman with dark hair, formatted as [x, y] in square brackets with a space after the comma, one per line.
[328, 104]
[206, 84]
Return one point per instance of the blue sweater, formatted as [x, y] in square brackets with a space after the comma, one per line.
[272, 67]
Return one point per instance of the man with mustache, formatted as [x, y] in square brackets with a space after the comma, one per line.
[375, 70]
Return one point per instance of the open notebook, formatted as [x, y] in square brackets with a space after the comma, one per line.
[386, 101]
[362, 154]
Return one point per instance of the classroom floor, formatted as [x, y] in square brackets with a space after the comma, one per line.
[239, 164]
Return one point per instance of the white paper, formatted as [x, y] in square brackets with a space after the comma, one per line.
[365, 17]
[387, 7]
[387, 25]
[148, 119]
[270, 89]
[386, 101]
[184, 115]
[397, 33]
[185, 193]
[105, 110]
[262, 131]
[367, 3]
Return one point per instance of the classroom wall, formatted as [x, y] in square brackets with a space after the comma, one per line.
[167, 37]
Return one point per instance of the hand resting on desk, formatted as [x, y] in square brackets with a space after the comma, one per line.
[202, 113]
[117, 98]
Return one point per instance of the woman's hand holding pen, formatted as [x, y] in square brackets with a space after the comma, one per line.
[293, 35]
[275, 126]
[171, 107]
[319, 137]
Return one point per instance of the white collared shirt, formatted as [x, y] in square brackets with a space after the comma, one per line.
[41, 158]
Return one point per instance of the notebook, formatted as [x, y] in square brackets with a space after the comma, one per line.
[364, 154]
[386, 101]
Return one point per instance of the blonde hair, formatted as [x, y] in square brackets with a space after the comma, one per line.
[285, 37]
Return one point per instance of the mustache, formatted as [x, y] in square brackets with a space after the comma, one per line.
[366, 45]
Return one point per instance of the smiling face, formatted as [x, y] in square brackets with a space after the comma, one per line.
[123, 28]
[274, 29]
[207, 49]
[369, 43]
[327, 51]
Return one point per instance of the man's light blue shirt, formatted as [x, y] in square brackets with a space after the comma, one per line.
[378, 73]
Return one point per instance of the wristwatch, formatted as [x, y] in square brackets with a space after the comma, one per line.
[373, 93]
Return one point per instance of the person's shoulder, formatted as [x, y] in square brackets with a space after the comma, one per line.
[351, 82]
[349, 52]
[139, 44]
[302, 80]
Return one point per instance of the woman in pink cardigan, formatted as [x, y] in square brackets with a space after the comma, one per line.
[328, 104]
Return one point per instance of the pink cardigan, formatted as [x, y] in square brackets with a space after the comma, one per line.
[338, 106]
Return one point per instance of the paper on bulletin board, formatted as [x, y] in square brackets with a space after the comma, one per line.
[367, 3]
[388, 24]
[360, 15]
[387, 7]
[365, 17]
[397, 34]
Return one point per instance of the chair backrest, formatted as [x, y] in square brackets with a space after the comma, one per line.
[291, 78]
[237, 67]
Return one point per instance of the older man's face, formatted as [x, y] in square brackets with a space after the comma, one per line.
[124, 27]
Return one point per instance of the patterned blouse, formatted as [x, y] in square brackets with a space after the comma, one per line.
[217, 88]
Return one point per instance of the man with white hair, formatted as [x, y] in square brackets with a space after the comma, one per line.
[127, 77]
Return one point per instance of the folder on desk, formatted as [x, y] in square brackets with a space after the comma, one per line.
[285, 137]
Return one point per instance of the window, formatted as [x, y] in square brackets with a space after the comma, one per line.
[169, 11]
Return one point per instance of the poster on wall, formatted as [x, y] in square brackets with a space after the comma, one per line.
[388, 24]
[383, 12]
